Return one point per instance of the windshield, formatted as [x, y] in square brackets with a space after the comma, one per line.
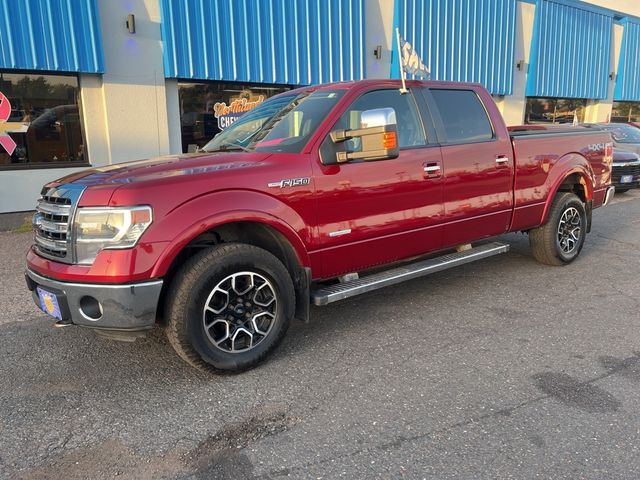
[281, 124]
[623, 133]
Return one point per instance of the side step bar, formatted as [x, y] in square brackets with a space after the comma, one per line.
[340, 291]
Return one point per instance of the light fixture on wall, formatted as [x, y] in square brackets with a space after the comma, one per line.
[612, 76]
[131, 23]
[521, 65]
[377, 52]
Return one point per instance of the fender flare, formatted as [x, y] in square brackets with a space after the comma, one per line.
[250, 207]
[566, 166]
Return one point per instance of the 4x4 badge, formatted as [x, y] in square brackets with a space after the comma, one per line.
[290, 182]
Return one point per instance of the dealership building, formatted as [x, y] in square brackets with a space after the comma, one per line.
[98, 82]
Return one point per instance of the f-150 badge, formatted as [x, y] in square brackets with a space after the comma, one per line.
[290, 182]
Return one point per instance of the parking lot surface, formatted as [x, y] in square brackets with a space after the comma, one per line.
[502, 368]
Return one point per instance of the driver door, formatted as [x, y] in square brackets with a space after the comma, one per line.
[376, 212]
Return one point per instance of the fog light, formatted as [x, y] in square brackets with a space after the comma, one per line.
[90, 308]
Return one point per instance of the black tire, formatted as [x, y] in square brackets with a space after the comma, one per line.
[201, 280]
[621, 190]
[546, 241]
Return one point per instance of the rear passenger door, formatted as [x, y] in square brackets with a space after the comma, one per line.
[477, 165]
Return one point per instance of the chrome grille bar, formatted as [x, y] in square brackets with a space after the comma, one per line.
[53, 227]
[52, 221]
[53, 245]
[53, 208]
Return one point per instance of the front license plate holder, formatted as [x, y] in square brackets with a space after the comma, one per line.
[49, 303]
[626, 179]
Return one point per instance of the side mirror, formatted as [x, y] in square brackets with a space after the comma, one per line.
[378, 137]
[378, 117]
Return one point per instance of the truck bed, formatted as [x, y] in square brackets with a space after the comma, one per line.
[538, 151]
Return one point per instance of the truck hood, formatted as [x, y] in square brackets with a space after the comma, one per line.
[164, 167]
[620, 155]
[629, 147]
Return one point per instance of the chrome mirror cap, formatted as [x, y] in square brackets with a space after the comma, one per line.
[378, 117]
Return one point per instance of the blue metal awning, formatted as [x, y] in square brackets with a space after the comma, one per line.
[628, 80]
[570, 53]
[460, 40]
[267, 41]
[60, 35]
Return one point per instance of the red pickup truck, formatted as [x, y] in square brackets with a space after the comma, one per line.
[318, 194]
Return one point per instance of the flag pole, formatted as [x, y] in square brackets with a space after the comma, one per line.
[403, 90]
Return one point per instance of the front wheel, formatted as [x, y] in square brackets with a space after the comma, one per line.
[228, 307]
[560, 240]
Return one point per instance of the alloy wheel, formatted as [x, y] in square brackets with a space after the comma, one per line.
[569, 230]
[240, 311]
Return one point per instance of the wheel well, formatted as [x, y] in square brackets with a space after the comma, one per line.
[575, 183]
[250, 233]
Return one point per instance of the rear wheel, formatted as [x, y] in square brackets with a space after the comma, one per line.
[229, 307]
[560, 240]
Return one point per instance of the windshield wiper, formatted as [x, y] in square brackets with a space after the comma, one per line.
[269, 125]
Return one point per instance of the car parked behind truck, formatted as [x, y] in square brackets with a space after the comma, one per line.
[319, 194]
[625, 172]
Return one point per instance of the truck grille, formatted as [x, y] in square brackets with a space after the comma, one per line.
[52, 222]
[629, 169]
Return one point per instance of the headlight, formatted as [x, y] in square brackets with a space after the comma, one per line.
[96, 229]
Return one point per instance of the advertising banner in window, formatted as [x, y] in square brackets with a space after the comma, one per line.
[208, 108]
[40, 124]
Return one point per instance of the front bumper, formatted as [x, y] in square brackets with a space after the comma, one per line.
[129, 307]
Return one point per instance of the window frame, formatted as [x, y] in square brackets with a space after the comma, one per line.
[439, 124]
[43, 166]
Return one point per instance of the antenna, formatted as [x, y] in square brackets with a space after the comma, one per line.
[403, 90]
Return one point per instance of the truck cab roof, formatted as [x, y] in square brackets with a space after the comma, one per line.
[397, 83]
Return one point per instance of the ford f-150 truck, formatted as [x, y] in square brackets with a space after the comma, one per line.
[316, 195]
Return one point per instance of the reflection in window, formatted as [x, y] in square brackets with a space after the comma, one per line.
[410, 130]
[555, 110]
[281, 124]
[44, 121]
[622, 133]
[625, 112]
[207, 108]
[463, 116]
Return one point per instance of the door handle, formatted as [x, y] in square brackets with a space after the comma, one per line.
[502, 160]
[432, 170]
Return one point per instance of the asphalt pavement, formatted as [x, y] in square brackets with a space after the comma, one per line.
[502, 368]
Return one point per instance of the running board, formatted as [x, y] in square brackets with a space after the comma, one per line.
[340, 291]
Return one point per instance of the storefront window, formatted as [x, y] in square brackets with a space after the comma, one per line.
[625, 112]
[208, 108]
[40, 123]
[555, 110]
